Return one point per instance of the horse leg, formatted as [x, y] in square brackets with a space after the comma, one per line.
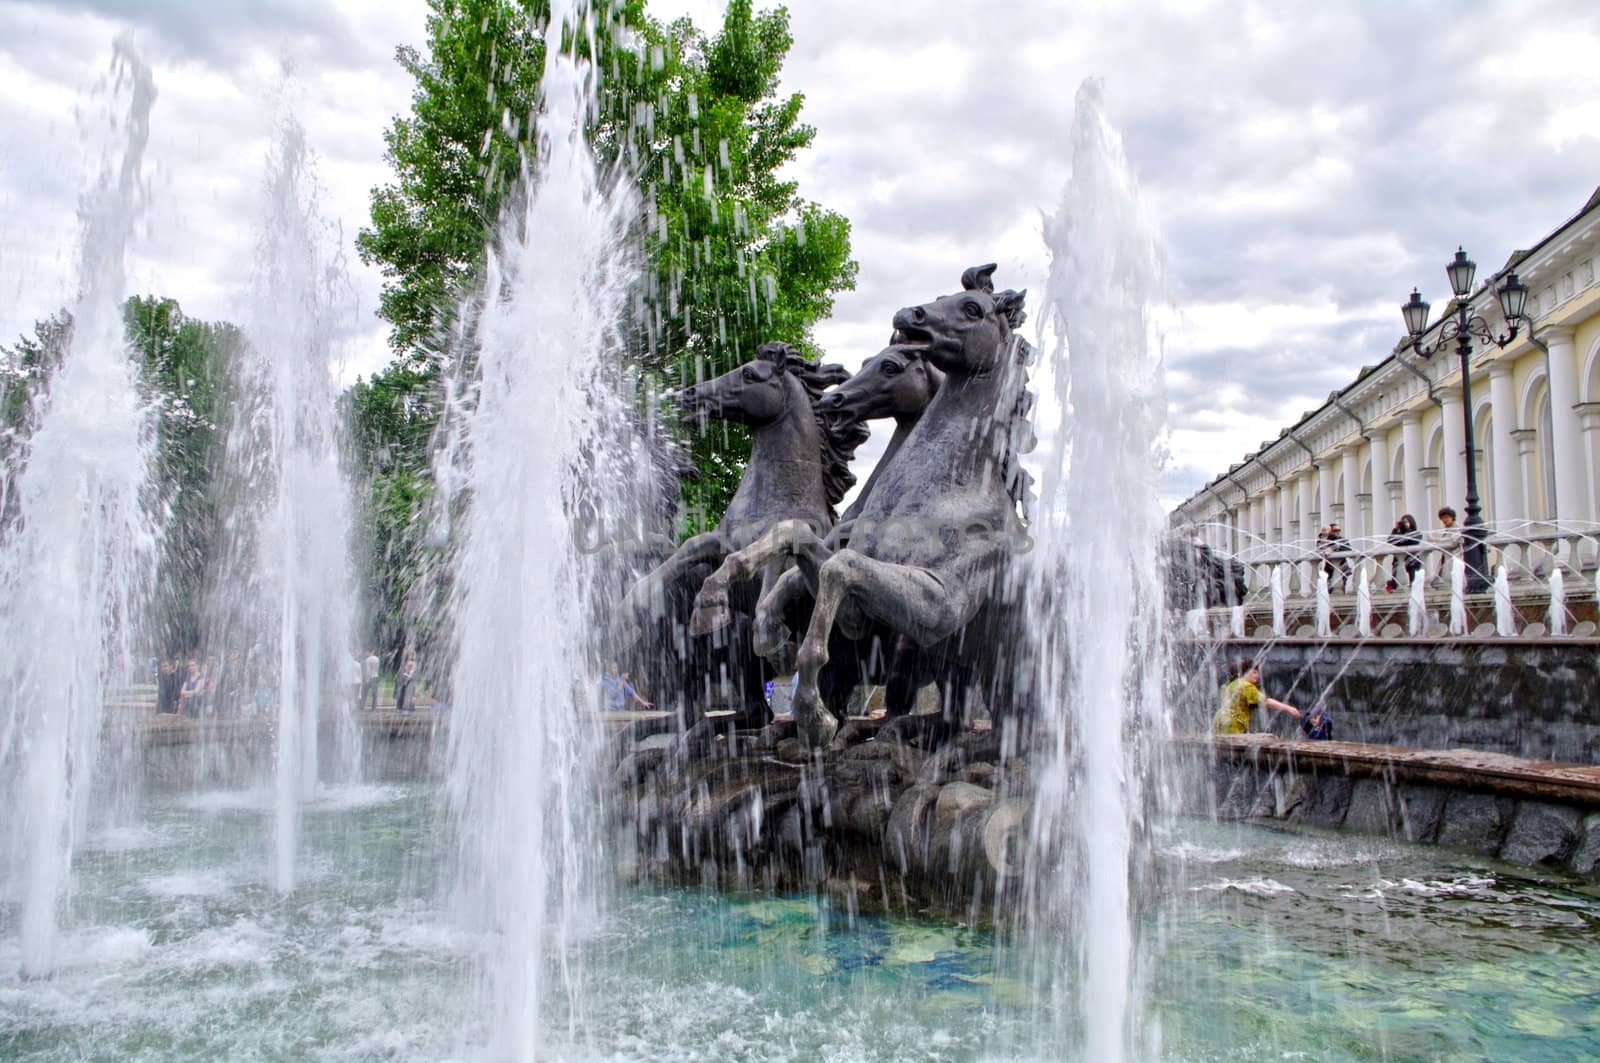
[909, 600]
[786, 538]
[771, 637]
[646, 598]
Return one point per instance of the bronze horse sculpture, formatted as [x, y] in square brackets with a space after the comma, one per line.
[797, 473]
[896, 383]
[929, 555]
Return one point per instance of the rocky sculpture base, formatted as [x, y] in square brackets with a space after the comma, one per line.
[898, 815]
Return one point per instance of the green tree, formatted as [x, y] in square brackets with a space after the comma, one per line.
[187, 367]
[185, 370]
[734, 255]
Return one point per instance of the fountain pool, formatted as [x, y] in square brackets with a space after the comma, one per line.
[1260, 945]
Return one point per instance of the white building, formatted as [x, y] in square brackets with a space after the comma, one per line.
[1393, 441]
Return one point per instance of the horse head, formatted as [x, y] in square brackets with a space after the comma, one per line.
[896, 382]
[968, 332]
[757, 393]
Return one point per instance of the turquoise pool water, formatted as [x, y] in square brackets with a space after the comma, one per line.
[1258, 945]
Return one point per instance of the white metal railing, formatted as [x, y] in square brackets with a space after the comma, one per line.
[1530, 552]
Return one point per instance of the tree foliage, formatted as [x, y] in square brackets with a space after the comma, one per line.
[733, 255]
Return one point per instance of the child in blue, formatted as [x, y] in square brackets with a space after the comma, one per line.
[1317, 725]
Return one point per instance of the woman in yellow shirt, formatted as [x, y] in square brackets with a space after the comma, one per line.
[1241, 696]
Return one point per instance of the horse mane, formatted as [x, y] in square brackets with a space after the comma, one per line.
[840, 436]
[1015, 434]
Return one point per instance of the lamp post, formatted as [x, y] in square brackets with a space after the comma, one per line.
[1462, 326]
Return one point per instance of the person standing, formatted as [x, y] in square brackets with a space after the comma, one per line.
[168, 683]
[402, 685]
[1448, 541]
[1241, 696]
[1404, 536]
[369, 681]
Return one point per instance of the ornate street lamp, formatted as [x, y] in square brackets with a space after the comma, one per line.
[1462, 326]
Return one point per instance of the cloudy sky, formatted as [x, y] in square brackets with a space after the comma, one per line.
[1306, 164]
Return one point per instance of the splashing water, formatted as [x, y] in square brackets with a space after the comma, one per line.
[1324, 605]
[286, 623]
[1364, 605]
[1505, 617]
[1100, 653]
[1458, 596]
[535, 431]
[1417, 608]
[1558, 603]
[71, 565]
[1277, 601]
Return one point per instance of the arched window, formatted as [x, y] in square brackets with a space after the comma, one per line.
[1547, 459]
[1434, 492]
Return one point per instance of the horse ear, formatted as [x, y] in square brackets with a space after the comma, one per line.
[832, 374]
[1008, 304]
[978, 278]
[775, 352]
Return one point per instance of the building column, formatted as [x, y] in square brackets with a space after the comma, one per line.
[1396, 490]
[1452, 463]
[1526, 440]
[1348, 455]
[1411, 475]
[1429, 517]
[1285, 512]
[1308, 528]
[1325, 493]
[1507, 503]
[1572, 493]
[1589, 419]
[1381, 518]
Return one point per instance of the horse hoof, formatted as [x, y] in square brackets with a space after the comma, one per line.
[709, 616]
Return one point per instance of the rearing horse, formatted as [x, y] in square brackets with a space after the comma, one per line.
[798, 471]
[932, 544]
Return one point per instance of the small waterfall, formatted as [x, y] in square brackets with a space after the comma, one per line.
[1417, 610]
[281, 619]
[74, 564]
[1324, 606]
[1505, 617]
[1364, 605]
[535, 431]
[1236, 621]
[1277, 601]
[1458, 596]
[1101, 524]
[1558, 602]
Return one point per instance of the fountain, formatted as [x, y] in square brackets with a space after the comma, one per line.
[992, 865]
[1505, 616]
[535, 428]
[1278, 627]
[1558, 602]
[1458, 596]
[1417, 609]
[283, 622]
[74, 562]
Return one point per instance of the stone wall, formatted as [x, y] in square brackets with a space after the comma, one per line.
[1517, 816]
[1537, 698]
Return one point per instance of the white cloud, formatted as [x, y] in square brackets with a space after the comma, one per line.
[1306, 164]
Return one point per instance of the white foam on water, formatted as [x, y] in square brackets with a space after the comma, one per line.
[1260, 886]
[208, 882]
[128, 839]
[348, 798]
[253, 800]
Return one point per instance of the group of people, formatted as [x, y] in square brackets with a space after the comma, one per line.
[1334, 549]
[365, 675]
[188, 687]
[1242, 696]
